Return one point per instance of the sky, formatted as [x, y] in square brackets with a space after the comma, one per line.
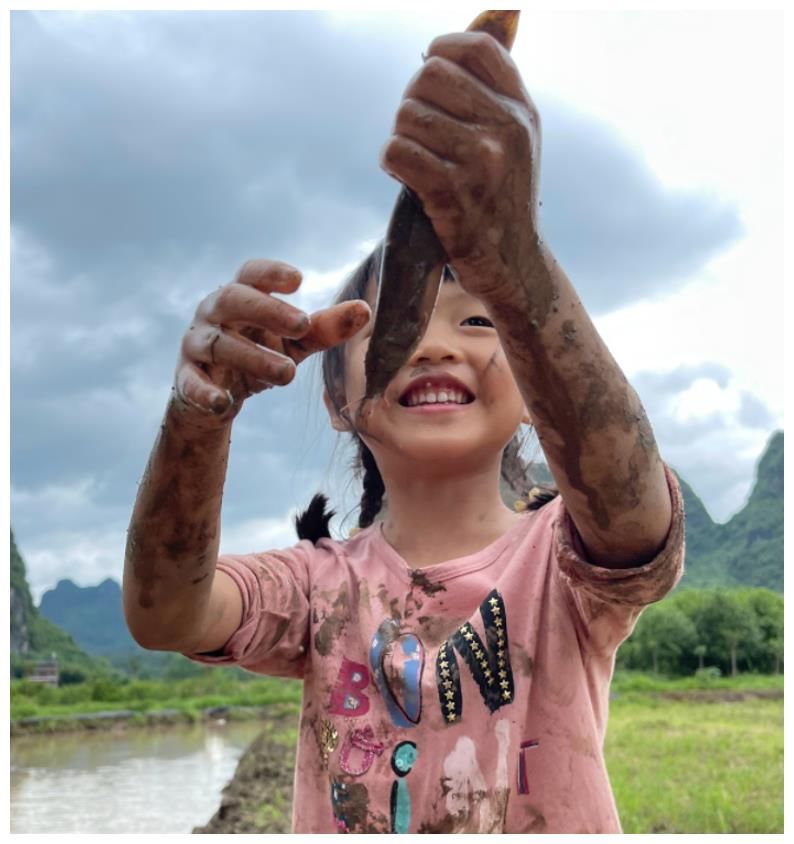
[153, 153]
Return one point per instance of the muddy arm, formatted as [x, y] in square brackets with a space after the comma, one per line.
[173, 599]
[590, 422]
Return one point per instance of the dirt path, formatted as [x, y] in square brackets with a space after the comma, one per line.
[721, 695]
[259, 796]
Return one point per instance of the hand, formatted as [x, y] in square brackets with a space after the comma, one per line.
[466, 140]
[243, 340]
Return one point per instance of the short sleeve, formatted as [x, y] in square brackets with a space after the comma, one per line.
[273, 635]
[608, 602]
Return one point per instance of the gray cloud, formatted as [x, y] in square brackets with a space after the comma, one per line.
[716, 452]
[153, 153]
[620, 234]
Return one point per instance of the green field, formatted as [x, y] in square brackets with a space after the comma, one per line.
[711, 765]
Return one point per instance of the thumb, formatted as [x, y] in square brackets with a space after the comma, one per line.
[329, 327]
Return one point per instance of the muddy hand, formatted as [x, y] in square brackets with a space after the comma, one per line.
[244, 340]
[466, 141]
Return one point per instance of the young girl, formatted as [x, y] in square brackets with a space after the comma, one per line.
[456, 655]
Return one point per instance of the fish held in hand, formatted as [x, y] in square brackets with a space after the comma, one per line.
[413, 261]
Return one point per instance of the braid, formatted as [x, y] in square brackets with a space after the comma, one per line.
[312, 524]
[372, 496]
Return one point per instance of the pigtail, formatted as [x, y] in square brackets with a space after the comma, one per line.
[372, 495]
[312, 524]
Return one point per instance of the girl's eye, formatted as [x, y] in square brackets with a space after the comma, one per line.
[482, 319]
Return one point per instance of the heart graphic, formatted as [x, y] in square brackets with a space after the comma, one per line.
[397, 661]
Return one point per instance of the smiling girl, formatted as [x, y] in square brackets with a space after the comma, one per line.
[456, 655]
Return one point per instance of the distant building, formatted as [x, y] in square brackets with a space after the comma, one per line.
[45, 672]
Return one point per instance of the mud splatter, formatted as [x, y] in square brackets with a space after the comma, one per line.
[522, 660]
[329, 632]
[333, 624]
[568, 334]
[436, 629]
[419, 578]
[446, 825]
[535, 820]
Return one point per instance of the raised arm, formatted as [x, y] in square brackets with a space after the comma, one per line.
[243, 340]
[467, 142]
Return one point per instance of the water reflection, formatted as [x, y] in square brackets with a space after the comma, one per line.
[138, 781]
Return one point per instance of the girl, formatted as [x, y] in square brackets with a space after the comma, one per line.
[456, 656]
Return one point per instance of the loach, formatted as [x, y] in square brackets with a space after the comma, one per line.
[413, 261]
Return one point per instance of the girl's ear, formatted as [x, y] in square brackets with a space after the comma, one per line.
[337, 422]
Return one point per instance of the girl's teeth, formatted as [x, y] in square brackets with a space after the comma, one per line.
[442, 397]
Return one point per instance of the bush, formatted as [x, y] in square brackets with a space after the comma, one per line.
[709, 674]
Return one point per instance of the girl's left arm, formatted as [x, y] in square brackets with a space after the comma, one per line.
[467, 141]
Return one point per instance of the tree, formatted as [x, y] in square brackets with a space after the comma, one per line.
[730, 627]
[662, 635]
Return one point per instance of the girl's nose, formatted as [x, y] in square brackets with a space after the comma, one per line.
[437, 344]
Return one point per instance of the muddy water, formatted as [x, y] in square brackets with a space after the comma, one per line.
[137, 781]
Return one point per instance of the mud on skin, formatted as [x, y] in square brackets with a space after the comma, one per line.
[175, 528]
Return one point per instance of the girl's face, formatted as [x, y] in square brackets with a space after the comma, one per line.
[460, 341]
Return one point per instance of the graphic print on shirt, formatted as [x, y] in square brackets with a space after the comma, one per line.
[402, 761]
[364, 742]
[523, 780]
[398, 661]
[489, 664]
[472, 805]
[327, 740]
[349, 803]
[347, 696]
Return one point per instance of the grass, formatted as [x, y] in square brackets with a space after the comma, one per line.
[697, 767]
[187, 697]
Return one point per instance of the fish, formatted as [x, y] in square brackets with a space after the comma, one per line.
[413, 261]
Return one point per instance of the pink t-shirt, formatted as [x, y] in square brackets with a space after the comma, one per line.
[469, 696]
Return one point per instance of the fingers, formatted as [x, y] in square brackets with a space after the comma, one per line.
[444, 135]
[269, 276]
[449, 86]
[329, 327]
[239, 304]
[195, 387]
[482, 56]
[214, 347]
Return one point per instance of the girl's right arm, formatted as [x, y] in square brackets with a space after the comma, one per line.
[242, 341]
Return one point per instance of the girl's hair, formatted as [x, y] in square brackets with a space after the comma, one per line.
[312, 524]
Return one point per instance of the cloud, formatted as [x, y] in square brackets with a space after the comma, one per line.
[708, 429]
[620, 234]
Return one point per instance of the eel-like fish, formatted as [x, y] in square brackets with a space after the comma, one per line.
[413, 261]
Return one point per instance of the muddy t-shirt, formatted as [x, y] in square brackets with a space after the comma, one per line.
[469, 696]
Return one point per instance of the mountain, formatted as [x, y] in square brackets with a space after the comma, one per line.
[34, 638]
[92, 614]
[748, 549]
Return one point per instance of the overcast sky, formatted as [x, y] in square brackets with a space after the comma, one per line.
[152, 153]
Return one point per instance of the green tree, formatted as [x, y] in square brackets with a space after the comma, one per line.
[767, 606]
[730, 627]
[662, 636]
